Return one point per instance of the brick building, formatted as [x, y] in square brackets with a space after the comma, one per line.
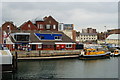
[89, 30]
[8, 26]
[6, 29]
[28, 26]
[47, 23]
[114, 31]
[39, 40]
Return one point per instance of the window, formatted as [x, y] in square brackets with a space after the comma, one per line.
[29, 25]
[8, 27]
[40, 26]
[68, 46]
[57, 37]
[47, 26]
[39, 46]
[41, 37]
[58, 45]
[54, 26]
[21, 37]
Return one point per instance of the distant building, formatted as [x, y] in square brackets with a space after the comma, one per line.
[63, 26]
[84, 31]
[114, 31]
[113, 39]
[71, 34]
[89, 30]
[60, 26]
[102, 35]
[68, 29]
[87, 37]
[68, 26]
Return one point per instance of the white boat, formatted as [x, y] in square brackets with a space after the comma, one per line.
[6, 60]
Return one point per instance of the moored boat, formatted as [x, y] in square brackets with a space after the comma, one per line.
[94, 54]
[115, 53]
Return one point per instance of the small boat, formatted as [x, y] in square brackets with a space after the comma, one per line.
[94, 54]
[115, 53]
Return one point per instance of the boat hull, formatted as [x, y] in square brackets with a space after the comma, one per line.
[115, 55]
[89, 57]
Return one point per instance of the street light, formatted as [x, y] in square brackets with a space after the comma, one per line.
[105, 34]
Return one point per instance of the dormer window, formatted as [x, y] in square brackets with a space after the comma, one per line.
[54, 26]
[40, 26]
[57, 37]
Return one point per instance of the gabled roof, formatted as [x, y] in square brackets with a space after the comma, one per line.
[26, 23]
[49, 17]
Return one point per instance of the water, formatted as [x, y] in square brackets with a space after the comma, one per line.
[67, 68]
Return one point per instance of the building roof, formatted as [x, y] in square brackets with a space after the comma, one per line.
[34, 39]
[113, 36]
[88, 34]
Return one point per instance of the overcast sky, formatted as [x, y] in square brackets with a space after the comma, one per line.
[81, 14]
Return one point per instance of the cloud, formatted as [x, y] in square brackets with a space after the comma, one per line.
[81, 14]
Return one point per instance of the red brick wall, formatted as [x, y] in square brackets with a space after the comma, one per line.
[38, 48]
[38, 23]
[26, 27]
[5, 26]
[51, 21]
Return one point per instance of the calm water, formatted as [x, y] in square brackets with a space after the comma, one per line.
[67, 68]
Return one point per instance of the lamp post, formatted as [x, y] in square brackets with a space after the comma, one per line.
[105, 34]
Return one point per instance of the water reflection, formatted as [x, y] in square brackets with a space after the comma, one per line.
[67, 68]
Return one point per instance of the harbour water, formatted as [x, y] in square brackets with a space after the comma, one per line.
[65, 68]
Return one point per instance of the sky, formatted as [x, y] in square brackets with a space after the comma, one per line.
[81, 14]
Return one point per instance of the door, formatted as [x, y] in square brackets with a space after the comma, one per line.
[33, 47]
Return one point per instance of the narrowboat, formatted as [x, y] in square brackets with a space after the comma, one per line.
[115, 53]
[93, 54]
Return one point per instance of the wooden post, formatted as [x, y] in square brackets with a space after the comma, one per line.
[15, 62]
[39, 53]
[16, 56]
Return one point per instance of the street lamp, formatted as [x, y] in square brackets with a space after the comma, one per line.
[105, 34]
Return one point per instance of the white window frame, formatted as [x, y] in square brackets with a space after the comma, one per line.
[40, 26]
[48, 26]
[68, 46]
[39, 46]
[54, 26]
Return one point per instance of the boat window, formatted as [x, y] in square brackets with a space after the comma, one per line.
[93, 50]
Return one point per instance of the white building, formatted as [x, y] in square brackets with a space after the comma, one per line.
[113, 39]
[87, 37]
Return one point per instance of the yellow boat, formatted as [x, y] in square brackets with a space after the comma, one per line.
[115, 53]
[94, 54]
